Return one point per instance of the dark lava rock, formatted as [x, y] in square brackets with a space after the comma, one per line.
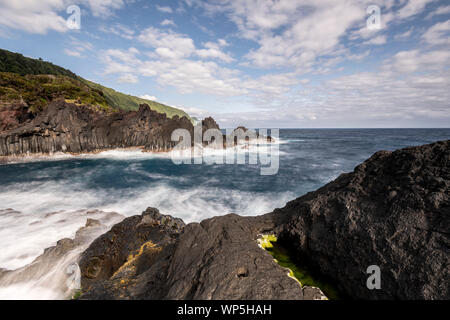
[126, 241]
[12, 115]
[218, 258]
[65, 127]
[393, 211]
[209, 123]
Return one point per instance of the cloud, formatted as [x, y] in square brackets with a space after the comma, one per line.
[78, 48]
[33, 16]
[180, 45]
[439, 11]
[102, 8]
[213, 50]
[295, 43]
[49, 15]
[412, 8]
[438, 34]
[72, 53]
[119, 30]
[128, 78]
[417, 60]
[148, 97]
[164, 9]
[168, 22]
[379, 40]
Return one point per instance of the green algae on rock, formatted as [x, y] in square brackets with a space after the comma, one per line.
[297, 272]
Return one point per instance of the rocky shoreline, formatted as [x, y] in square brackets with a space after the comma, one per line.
[392, 211]
[70, 128]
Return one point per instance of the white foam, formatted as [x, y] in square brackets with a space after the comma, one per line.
[47, 211]
[255, 146]
[25, 236]
[25, 291]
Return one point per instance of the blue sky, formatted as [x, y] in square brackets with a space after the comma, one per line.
[284, 63]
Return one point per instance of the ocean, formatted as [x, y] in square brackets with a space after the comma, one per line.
[49, 198]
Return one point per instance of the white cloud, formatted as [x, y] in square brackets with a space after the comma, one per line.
[213, 50]
[417, 60]
[290, 33]
[294, 38]
[412, 8]
[102, 8]
[181, 45]
[72, 53]
[438, 34]
[404, 35]
[439, 11]
[168, 22]
[165, 9]
[33, 16]
[78, 48]
[378, 40]
[49, 15]
[148, 97]
[119, 30]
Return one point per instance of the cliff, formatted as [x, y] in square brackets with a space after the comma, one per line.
[75, 128]
[392, 211]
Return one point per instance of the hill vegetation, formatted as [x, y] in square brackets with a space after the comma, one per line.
[38, 90]
[23, 77]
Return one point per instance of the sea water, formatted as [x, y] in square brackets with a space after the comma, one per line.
[129, 181]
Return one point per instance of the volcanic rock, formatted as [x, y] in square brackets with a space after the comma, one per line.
[392, 211]
[66, 127]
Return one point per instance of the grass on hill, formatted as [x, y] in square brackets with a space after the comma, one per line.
[127, 102]
[38, 90]
[66, 81]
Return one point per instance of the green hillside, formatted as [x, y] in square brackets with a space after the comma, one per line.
[38, 90]
[11, 62]
[127, 102]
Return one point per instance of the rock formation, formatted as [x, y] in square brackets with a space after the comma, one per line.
[66, 127]
[72, 128]
[392, 211]
[157, 257]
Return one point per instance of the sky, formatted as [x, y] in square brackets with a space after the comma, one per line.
[258, 63]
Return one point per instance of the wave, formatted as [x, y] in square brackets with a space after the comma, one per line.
[256, 146]
[25, 236]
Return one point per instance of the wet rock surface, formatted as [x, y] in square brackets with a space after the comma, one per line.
[392, 211]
